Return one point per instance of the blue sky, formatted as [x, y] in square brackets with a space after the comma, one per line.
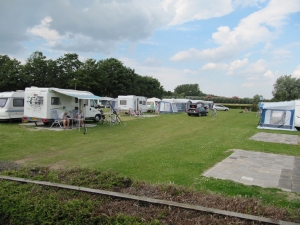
[228, 47]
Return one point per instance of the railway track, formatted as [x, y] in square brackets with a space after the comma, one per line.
[256, 219]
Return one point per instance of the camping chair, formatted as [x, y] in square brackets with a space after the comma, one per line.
[131, 112]
[57, 120]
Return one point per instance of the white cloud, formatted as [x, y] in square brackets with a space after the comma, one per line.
[296, 73]
[236, 65]
[251, 30]
[248, 85]
[152, 62]
[187, 71]
[282, 53]
[268, 45]
[196, 10]
[43, 30]
[214, 66]
[245, 3]
[269, 74]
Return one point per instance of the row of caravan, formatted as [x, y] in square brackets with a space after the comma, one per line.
[37, 104]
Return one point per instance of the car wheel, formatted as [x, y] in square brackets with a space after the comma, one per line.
[189, 114]
[97, 118]
[226, 109]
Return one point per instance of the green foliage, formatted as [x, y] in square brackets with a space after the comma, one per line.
[188, 90]
[107, 77]
[256, 99]
[286, 88]
[11, 76]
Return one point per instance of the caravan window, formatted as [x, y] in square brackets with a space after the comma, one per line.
[18, 102]
[3, 102]
[91, 103]
[123, 102]
[54, 100]
[76, 100]
[144, 102]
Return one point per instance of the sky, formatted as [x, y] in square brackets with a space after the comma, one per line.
[228, 47]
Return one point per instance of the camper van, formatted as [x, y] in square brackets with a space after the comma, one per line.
[138, 103]
[12, 105]
[40, 102]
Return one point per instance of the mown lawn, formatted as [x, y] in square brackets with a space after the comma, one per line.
[172, 148]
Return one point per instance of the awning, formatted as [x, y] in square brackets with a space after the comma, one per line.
[76, 93]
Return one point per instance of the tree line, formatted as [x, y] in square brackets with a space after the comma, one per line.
[108, 77]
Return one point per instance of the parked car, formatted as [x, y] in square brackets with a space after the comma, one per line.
[197, 110]
[221, 108]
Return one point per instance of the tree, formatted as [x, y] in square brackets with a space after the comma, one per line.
[286, 88]
[256, 99]
[188, 90]
[35, 70]
[10, 74]
[69, 66]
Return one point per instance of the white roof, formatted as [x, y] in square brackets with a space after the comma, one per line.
[153, 99]
[278, 105]
[8, 94]
[176, 100]
[76, 93]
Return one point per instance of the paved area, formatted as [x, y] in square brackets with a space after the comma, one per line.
[261, 169]
[277, 138]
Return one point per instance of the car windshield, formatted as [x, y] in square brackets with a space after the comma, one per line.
[3, 102]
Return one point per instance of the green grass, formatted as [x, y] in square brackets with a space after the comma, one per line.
[168, 148]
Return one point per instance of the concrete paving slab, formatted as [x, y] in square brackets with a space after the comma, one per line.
[256, 168]
[276, 138]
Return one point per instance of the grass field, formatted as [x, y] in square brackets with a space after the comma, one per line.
[172, 148]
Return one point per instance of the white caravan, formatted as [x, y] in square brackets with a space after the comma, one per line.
[12, 105]
[153, 101]
[40, 102]
[138, 103]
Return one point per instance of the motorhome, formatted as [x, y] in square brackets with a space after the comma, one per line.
[12, 105]
[40, 102]
[137, 103]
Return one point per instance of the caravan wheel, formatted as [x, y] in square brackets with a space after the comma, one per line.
[97, 118]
